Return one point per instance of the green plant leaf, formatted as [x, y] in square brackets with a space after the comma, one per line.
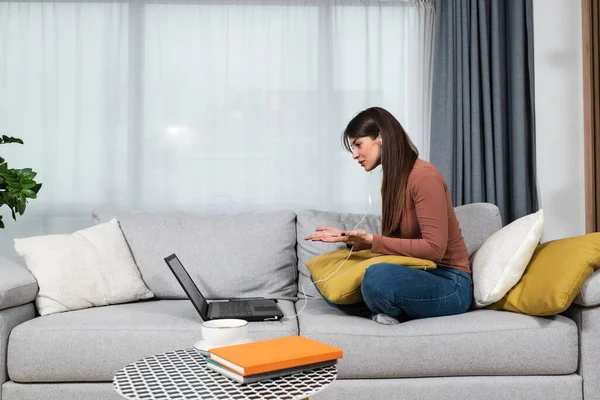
[29, 175]
[29, 193]
[1, 160]
[9, 139]
[1, 223]
[36, 188]
[9, 200]
[28, 184]
[21, 207]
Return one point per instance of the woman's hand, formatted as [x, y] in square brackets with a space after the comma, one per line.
[324, 232]
[359, 238]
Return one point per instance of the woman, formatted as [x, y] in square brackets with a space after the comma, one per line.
[418, 220]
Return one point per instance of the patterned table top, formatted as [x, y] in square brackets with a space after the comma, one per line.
[182, 374]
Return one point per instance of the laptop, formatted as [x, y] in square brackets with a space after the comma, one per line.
[254, 309]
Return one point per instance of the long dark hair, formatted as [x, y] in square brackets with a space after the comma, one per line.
[398, 157]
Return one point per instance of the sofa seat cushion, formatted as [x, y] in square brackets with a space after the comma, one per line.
[93, 344]
[481, 342]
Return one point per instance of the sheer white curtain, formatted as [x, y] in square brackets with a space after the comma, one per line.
[203, 105]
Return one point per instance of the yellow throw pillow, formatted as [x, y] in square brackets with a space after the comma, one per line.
[554, 276]
[343, 287]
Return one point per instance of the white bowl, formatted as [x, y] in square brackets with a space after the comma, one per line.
[222, 332]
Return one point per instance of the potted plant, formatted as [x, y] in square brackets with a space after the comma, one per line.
[16, 185]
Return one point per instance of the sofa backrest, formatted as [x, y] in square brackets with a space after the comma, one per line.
[252, 254]
[227, 255]
[477, 222]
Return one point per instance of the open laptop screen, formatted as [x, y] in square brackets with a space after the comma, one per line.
[188, 285]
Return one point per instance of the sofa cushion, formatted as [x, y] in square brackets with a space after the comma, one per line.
[477, 222]
[91, 267]
[307, 222]
[227, 255]
[481, 342]
[554, 276]
[339, 274]
[501, 260]
[94, 343]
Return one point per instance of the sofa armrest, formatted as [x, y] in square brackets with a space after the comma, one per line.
[587, 320]
[17, 285]
[9, 319]
[589, 295]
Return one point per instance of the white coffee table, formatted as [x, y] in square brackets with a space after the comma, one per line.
[183, 374]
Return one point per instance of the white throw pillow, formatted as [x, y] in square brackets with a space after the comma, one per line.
[501, 260]
[87, 268]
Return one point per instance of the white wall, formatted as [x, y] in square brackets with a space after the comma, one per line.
[559, 116]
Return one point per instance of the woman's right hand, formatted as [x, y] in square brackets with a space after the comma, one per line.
[323, 232]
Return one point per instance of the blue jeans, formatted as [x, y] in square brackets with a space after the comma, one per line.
[408, 293]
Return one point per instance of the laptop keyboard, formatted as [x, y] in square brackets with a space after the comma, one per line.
[235, 308]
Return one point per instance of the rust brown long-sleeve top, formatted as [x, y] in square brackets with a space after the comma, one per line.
[429, 228]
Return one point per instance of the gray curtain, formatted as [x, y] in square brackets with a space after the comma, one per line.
[482, 114]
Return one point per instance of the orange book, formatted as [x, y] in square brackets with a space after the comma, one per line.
[273, 354]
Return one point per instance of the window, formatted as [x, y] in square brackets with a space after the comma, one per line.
[203, 105]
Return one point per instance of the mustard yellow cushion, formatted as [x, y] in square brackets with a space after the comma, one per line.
[343, 287]
[554, 276]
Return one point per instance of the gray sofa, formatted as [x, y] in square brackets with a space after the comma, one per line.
[479, 354]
